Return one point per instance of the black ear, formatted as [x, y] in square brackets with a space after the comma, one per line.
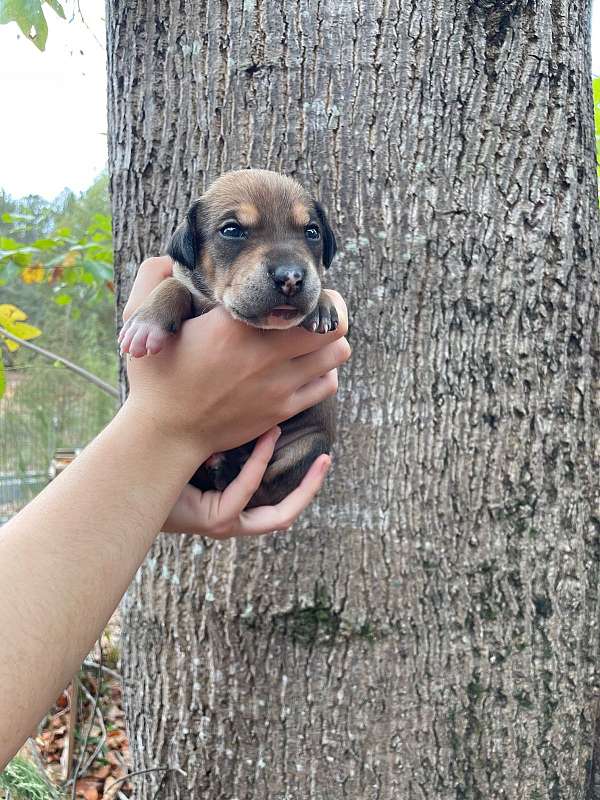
[186, 242]
[329, 243]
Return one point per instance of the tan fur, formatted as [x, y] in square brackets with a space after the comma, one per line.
[300, 214]
[169, 304]
[248, 215]
[208, 268]
[280, 199]
[250, 260]
[274, 211]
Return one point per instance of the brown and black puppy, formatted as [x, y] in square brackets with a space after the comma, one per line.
[256, 243]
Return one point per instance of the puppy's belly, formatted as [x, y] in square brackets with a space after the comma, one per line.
[303, 439]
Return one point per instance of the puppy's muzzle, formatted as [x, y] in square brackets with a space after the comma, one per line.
[288, 279]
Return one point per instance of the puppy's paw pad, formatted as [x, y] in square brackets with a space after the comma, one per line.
[323, 319]
[142, 338]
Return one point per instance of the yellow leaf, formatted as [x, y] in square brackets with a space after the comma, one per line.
[10, 313]
[33, 274]
[11, 319]
[23, 330]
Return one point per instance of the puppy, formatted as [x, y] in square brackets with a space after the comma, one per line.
[255, 243]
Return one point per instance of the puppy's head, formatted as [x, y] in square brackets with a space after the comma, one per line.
[256, 242]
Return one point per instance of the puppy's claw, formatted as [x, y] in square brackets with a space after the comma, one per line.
[324, 318]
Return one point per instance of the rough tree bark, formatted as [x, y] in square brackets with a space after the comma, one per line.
[430, 628]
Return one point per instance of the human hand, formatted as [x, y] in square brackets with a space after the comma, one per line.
[221, 515]
[221, 383]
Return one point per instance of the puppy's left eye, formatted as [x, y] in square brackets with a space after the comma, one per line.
[312, 233]
[232, 231]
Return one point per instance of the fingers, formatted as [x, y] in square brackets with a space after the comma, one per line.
[266, 519]
[313, 365]
[298, 341]
[311, 393]
[238, 494]
[205, 513]
[151, 272]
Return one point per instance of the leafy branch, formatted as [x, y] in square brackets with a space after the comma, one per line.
[29, 16]
[12, 340]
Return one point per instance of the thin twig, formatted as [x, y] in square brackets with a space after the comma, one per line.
[102, 741]
[77, 769]
[87, 26]
[93, 665]
[145, 771]
[106, 387]
[69, 748]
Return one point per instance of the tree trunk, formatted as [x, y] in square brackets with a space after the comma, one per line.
[430, 627]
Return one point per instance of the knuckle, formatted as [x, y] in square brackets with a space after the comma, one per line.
[331, 381]
[287, 408]
[343, 350]
[221, 530]
[224, 525]
[281, 396]
[153, 264]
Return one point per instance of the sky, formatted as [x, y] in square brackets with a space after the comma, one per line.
[53, 104]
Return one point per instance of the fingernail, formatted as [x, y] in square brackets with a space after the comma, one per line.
[276, 432]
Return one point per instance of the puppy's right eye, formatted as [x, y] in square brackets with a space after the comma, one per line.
[232, 230]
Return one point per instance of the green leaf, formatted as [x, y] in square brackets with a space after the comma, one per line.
[63, 299]
[56, 6]
[46, 244]
[22, 259]
[13, 216]
[100, 270]
[29, 16]
[9, 244]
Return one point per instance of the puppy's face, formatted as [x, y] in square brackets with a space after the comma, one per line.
[256, 242]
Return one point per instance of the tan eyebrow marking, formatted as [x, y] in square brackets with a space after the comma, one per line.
[248, 215]
[300, 214]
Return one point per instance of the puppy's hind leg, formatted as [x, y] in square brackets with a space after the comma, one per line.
[288, 467]
[147, 331]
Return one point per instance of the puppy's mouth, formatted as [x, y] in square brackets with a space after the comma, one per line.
[283, 312]
[282, 317]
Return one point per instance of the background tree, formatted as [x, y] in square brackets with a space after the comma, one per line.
[430, 628]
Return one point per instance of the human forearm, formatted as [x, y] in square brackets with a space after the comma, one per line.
[67, 559]
[76, 548]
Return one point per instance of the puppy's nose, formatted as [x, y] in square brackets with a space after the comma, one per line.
[288, 279]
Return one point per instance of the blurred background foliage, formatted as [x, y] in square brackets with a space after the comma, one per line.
[55, 287]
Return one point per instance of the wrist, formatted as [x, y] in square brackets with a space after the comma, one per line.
[179, 452]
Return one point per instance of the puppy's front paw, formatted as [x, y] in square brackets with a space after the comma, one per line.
[140, 337]
[324, 318]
